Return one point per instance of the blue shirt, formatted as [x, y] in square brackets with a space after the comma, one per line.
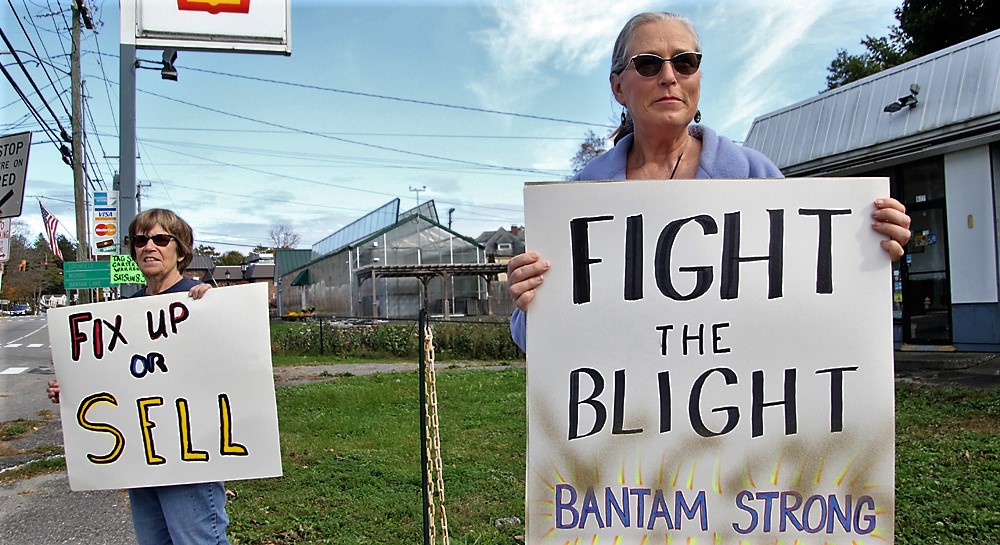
[720, 158]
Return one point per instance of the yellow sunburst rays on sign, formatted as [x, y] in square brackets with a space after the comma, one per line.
[637, 476]
[748, 481]
[550, 505]
[717, 475]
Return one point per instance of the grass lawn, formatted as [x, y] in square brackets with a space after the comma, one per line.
[351, 451]
[352, 463]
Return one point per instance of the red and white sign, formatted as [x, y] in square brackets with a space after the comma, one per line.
[215, 6]
[4, 240]
[249, 26]
[105, 229]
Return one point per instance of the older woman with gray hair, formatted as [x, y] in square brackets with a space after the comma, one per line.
[656, 77]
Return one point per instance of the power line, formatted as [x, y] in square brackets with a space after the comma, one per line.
[34, 112]
[347, 161]
[325, 184]
[107, 86]
[37, 56]
[394, 98]
[31, 80]
[339, 139]
[387, 134]
[104, 154]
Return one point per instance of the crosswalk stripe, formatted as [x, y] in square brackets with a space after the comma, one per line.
[14, 345]
[14, 370]
[35, 345]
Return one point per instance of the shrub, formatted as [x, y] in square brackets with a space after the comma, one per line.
[452, 340]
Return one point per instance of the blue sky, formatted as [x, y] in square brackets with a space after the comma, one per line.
[241, 142]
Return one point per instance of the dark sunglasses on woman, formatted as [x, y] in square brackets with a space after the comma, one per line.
[161, 240]
[649, 65]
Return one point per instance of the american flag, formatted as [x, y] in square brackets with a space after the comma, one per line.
[51, 225]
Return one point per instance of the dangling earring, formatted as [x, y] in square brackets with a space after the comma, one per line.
[697, 116]
[623, 115]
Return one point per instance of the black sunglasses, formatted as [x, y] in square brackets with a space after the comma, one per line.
[648, 65]
[162, 239]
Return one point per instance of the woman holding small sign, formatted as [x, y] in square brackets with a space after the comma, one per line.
[188, 514]
[656, 77]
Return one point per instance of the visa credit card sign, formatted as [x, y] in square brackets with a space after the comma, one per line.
[105, 226]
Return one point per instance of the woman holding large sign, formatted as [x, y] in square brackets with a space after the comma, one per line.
[188, 514]
[656, 77]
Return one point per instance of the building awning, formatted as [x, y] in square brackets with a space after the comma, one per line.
[301, 279]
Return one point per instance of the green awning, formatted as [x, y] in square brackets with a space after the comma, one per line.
[301, 279]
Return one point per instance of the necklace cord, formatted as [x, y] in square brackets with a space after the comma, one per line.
[677, 164]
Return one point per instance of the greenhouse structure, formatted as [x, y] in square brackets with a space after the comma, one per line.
[389, 264]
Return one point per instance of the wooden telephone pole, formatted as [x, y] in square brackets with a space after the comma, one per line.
[79, 190]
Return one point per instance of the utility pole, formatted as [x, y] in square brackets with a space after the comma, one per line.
[417, 190]
[138, 195]
[76, 123]
[82, 247]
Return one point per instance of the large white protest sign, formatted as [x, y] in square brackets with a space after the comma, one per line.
[167, 390]
[710, 362]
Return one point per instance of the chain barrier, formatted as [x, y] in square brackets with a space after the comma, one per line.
[435, 473]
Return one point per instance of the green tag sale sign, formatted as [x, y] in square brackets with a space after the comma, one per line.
[710, 361]
[165, 390]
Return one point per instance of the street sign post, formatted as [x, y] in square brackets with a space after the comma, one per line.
[81, 275]
[13, 169]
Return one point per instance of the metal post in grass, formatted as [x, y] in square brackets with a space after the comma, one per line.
[424, 461]
[320, 335]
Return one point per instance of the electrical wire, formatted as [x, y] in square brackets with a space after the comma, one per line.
[34, 112]
[339, 139]
[107, 86]
[31, 80]
[37, 56]
[326, 160]
[389, 97]
[97, 134]
[325, 184]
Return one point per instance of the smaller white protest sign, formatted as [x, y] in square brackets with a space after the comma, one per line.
[167, 390]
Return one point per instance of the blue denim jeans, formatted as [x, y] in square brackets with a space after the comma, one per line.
[187, 514]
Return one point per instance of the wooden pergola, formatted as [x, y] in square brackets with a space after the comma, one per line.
[425, 273]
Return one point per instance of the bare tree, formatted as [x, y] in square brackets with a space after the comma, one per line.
[283, 236]
[591, 147]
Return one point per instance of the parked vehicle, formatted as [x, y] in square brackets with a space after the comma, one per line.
[20, 309]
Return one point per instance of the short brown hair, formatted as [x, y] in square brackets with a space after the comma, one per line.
[173, 224]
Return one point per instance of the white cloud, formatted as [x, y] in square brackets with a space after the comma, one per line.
[535, 38]
[781, 52]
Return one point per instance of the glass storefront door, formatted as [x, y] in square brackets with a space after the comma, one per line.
[921, 284]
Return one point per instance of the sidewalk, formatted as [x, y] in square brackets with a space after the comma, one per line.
[980, 370]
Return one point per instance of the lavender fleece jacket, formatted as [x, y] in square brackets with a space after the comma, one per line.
[720, 158]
